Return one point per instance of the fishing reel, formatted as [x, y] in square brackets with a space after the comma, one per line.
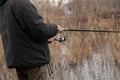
[60, 38]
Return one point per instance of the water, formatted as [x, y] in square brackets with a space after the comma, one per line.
[101, 66]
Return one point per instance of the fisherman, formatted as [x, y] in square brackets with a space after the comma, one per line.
[25, 38]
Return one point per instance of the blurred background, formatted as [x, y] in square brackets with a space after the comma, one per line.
[83, 56]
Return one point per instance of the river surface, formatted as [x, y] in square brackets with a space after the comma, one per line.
[101, 66]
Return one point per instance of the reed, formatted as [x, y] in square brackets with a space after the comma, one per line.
[80, 48]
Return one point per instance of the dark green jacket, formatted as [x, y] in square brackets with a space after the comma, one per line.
[24, 34]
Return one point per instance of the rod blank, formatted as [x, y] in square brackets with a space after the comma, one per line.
[81, 30]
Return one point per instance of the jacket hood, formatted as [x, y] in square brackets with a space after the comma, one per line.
[2, 2]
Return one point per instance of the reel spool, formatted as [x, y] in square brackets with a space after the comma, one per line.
[60, 38]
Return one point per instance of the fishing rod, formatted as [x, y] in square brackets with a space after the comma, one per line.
[62, 38]
[84, 30]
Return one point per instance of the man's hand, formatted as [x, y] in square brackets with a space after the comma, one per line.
[50, 40]
[60, 29]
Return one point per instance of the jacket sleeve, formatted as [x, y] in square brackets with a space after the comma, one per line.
[35, 25]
